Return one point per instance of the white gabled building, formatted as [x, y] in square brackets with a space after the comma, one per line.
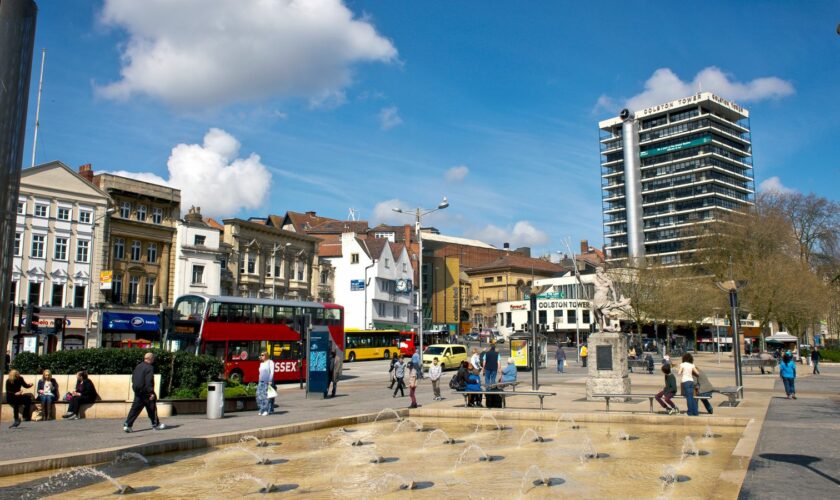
[373, 281]
[200, 256]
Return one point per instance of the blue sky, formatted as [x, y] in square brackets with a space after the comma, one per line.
[255, 108]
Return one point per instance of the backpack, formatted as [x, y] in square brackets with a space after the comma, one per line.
[453, 383]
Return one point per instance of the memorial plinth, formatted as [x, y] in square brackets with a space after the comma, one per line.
[608, 373]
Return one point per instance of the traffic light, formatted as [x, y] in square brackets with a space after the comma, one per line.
[32, 317]
[58, 326]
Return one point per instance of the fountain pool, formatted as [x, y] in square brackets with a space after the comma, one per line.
[420, 465]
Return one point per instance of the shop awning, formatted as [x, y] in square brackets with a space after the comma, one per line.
[781, 338]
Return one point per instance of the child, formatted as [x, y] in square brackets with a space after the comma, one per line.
[664, 396]
[434, 376]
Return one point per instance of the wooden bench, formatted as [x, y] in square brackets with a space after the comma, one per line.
[650, 397]
[733, 392]
[506, 394]
[115, 396]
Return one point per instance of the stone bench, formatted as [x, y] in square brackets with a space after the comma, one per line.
[115, 396]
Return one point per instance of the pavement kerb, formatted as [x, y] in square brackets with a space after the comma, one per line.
[91, 457]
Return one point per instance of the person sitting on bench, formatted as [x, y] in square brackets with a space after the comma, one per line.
[509, 372]
[474, 384]
[17, 398]
[47, 393]
[84, 394]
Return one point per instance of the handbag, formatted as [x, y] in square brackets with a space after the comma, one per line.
[68, 396]
[270, 393]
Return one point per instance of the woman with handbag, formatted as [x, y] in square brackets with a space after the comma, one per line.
[266, 373]
[84, 394]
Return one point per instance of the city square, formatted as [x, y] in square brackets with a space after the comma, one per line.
[350, 249]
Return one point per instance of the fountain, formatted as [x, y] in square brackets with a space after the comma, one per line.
[689, 448]
[531, 432]
[446, 438]
[417, 425]
[491, 417]
[260, 442]
[622, 435]
[130, 455]
[388, 410]
[122, 489]
[541, 479]
[265, 486]
[335, 469]
[566, 418]
[708, 434]
[261, 460]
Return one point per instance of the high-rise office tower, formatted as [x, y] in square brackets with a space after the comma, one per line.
[667, 168]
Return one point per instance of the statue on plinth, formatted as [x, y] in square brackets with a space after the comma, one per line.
[606, 300]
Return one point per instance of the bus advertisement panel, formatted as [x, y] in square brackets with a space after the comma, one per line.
[237, 330]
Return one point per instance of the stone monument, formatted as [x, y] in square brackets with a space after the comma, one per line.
[608, 372]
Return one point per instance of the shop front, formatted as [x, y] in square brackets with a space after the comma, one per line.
[129, 329]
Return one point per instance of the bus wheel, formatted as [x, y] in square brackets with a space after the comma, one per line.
[352, 357]
[235, 377]
[387, 355]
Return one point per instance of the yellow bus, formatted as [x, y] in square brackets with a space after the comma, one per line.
[370, 344]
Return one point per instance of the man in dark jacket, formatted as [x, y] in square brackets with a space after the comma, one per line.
[143, 384]
[491, 365]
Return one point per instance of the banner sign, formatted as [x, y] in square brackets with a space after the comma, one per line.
[675, 147]
[519, 353]
[127, 322]
[357, 285]
[106, 280]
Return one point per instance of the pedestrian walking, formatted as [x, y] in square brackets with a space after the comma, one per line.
[412, 384]
[561, 358]
[392, 372]
[664, 396]
[475, 359]
[584, 353]
[399, 374]
[815, 360]
[418, 364]
[491, 365]
[143, 384]
[335, 367]
[17, 398]
[787, 370]
[687, 372]
[435, 372]
[265, 374]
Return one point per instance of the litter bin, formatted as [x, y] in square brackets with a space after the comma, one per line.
[215, 400]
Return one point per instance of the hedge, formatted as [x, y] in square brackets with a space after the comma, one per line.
[830, 355]
[179, 370]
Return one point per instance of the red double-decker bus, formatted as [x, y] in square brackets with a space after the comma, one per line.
[237, 330]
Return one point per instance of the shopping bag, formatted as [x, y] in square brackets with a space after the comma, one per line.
[270, 393]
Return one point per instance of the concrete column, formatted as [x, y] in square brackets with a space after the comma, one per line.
[17, 39]
[633, 190]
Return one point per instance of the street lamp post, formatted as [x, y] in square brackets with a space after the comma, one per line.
[418, 214]
[731, 286]
[90, 275]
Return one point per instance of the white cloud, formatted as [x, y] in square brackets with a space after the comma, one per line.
[523, 234]
[197, 53]
[774, 185]
[664, 86]
[456, 174]
[212, 177]
[389, 118]
[605, 103]
[383, 213]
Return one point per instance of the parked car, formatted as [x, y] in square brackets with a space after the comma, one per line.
[449, 355]
[500, 339]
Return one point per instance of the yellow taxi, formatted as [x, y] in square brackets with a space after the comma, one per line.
[449, 355]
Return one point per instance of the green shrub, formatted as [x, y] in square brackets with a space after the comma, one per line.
[184, 393]
[830, 355]
[181, 370]
[232, 390]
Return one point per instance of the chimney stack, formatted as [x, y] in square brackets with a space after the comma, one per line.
[86, 171]
[407, 235]
[311, 213]
[584, 246]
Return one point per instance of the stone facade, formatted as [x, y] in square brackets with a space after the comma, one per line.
[615, 380]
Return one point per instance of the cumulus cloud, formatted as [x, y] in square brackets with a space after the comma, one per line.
[456, 174]
[605, 103]
[774, 185]
[383, 212]
[197, 53]
[522, 234]
[211, 176]
[389, 118]
[664, 86]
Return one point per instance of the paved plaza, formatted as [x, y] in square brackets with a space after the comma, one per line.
[792, 455]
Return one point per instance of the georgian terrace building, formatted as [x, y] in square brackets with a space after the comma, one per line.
[59, 231]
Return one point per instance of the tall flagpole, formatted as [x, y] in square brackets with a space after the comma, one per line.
[38, 105]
